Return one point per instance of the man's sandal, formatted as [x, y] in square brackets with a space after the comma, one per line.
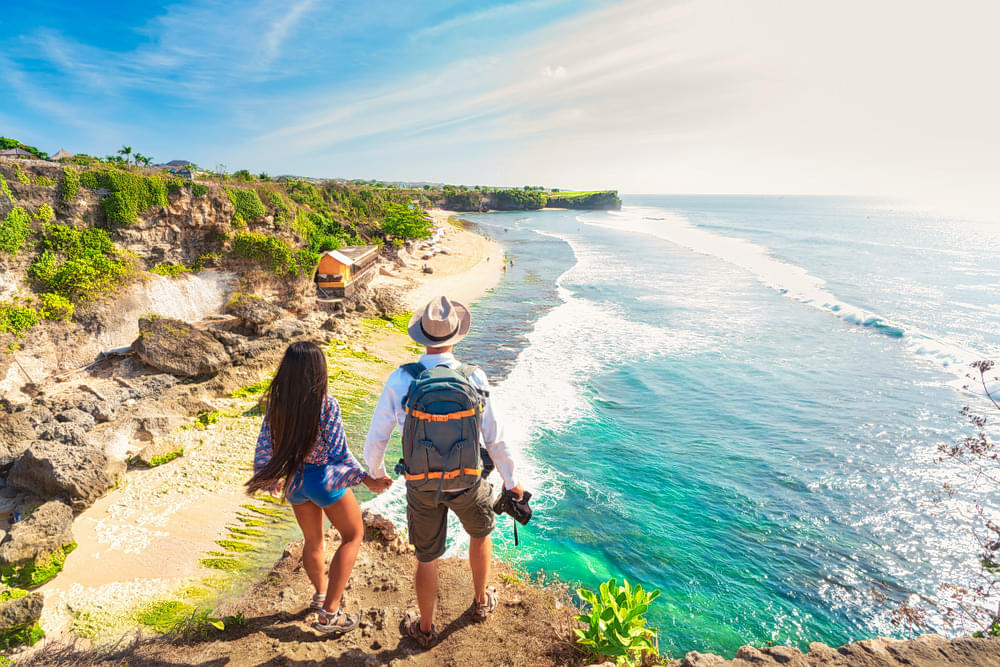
[411, 628]
[317, 602]
[480, 611]
[332, 622]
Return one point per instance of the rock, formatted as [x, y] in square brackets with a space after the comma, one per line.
[695, 659]
[22, 612]
[49, 528]
[64, 432]
[79, 475]
[378, 526]
[158, 452]
[39, 415]
[178, 348]
[428, 269]
[784, 655]
[77, 416]
[287, 329]
[254, 311]
[16, 431]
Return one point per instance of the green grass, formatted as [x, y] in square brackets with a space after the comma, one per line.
[164, 615]
[255, 389]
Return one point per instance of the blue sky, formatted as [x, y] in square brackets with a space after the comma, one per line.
[888, 98]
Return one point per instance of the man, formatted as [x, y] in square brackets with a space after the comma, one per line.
[438, 326]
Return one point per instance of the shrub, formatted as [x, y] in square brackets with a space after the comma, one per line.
[56, 307]
[274, 254]
[277, 202]
[14, 230]
[243, 176]
[84, 160]
[516, 200]
[45, 213]
[70, 184]
[174, 186]
[304, 192]
[169, 270]
[198, 190]
[129, 194]
[79, 264]
[4, 188]
[616, 626]
[16, 319]
[44, 180]
[20, 175]
[247, 204]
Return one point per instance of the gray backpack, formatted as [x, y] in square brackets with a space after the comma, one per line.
[444, 413]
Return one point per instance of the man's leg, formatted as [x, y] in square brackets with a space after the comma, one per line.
[426, 583]
[480, 556]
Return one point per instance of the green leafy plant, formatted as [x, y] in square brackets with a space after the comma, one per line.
[169, 270]
[615, 627]
[7, 142]
[79, 264]
[275, 254]
[198, 189]
[247, 204]
[15, 230]
[70, 185]
[17, 319]
[4, 188]
[20, 175]
[56, 307]
[44, 180]
[406, 222]
[45, 213]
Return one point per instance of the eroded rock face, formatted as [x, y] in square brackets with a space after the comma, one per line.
[47, 529]
[254, 311]
[16, 431]
[177, 348]
[21, 613]
[77, 474]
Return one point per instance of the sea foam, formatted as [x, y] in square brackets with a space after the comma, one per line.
[787, 279]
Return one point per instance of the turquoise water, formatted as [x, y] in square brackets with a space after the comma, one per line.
[738, 400]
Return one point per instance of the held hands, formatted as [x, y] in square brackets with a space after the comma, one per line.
[377, 485]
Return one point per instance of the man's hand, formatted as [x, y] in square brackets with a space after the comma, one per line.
[517, 491]
[377, 485]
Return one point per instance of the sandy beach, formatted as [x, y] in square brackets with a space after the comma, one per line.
[146, 538]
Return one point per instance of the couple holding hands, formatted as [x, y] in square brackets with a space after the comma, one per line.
[451, 441]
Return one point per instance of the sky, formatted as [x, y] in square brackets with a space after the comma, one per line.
[893, 98]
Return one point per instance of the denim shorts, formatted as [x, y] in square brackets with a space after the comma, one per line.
[308, 486]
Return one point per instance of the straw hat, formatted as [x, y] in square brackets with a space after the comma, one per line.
[440, 323]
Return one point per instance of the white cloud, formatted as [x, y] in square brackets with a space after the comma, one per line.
[557, 72]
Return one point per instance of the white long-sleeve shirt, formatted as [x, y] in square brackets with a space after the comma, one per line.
[390, 413]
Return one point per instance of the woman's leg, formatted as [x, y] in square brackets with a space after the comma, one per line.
[310, 518]
[345, 515]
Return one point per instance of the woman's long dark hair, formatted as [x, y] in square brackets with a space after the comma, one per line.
[294, 405]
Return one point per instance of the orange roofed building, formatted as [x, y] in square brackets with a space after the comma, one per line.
[342, 271]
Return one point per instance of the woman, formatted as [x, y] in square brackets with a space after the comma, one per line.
[303, 453]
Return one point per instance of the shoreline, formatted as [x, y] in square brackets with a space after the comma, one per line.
[145, 539]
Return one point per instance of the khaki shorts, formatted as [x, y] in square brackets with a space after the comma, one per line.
[428, 521]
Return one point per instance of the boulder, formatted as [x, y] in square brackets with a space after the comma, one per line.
[21, 612]
[288, 329]
[178, 348]
[16, 432]
[253, 311]
[49, 528]
[77, 416]
[64, 432]
[79, 475]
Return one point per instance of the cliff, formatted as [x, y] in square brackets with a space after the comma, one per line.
[454, 199]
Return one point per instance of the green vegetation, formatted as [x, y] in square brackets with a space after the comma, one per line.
[129, 194]
[12, 594]
[235, 545]
[44, 180]
[79, 264]
[32, 573]
[20, 175]
[4, 188]
[23, 636]
[70, 185]
[273, 253]
[615, 627]
[169, 270]
[266, 511]
[164, 615]
[15, 230]
[160, 459]
[56, 307]
[596, 199]
[406, 222]
[255, 389]
[304, 192]
[206, 418]
[224, 564]
[45, 213]
[6, 142]
[281, 211]
[198, 190]
[246, 532]
[516, 200]
[16, 319]
[247, 204]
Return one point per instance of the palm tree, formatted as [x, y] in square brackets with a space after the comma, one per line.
[142, 159]
[126, 151]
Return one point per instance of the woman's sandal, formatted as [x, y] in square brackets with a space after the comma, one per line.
[331, 622]
[317, 602]
[481, 611]
[411, 628]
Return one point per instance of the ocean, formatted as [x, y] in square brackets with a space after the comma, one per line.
[739, 401]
